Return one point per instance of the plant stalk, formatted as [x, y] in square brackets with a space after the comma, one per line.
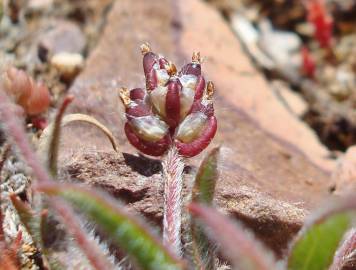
[173, 182]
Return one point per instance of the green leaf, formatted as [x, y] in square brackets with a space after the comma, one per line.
[205, 180]
[203, 250]
[124, 229]
[345, 256]
[316, 246]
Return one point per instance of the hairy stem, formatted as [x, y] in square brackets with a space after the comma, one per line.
[173, 181]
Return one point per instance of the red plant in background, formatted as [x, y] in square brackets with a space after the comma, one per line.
[322, 22]
[175, 109]
[33, 97]
[308, 62]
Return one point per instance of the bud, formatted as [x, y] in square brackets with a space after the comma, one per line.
[39, 100]
[33, 98]
[175, 109]
[17, 84]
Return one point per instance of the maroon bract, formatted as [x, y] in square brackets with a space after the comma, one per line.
[175, 109]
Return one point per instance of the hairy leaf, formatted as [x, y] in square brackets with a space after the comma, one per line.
[237, 244]
[27, 218]
[34, 227]
[203, 250]
[345, 256]
[317, 242]
[125, 230]
[15, 129]
[205, 180]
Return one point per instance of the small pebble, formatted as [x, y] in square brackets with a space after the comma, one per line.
[68, 64]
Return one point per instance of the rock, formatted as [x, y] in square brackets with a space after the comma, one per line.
[282, 47]
[240, 84]
[266, 180]
[292, 100]
[249, 36]
[68, 64]
[63, 37]
[39, 5]
[345, 172]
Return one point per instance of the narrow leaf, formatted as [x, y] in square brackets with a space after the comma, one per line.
[49, 140]
[125, 230]
[55, 136]
[203, 250]
[15, 129]
[27, 218]
[317, 242]
[237, 244]
[345, 256]
[33, 226]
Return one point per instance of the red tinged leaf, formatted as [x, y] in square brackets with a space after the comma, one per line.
[15, 129]
[237, 244]
[195, 147]
[149, 148]
[173, 103]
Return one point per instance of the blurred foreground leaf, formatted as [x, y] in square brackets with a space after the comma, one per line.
[318, 241]
[237, 244]
[124, 229]
[204, 254]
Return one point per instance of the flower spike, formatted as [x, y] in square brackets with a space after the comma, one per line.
[175, 109]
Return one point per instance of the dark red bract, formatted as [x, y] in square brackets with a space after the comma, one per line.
[175, 109]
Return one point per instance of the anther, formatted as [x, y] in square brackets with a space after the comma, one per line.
[171, 69]
[196, 58]
[145, 48]
[210, 88]
[124, 94]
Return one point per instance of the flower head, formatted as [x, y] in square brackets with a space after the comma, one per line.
[175, 108]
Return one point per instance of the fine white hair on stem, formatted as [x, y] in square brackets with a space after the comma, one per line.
[173, 181]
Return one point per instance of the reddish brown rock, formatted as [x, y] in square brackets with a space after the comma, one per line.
[265, 181]
[239, 82]
[345, 173]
